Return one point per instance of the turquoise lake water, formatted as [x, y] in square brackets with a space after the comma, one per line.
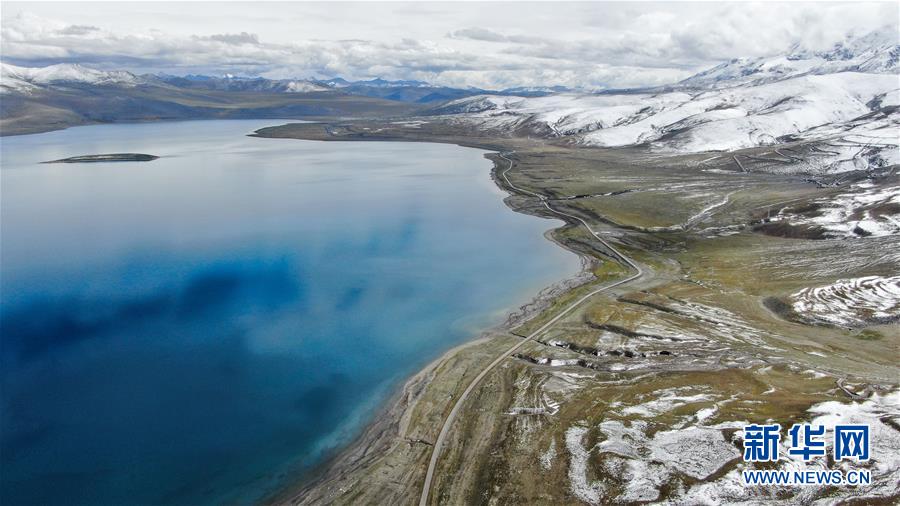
[200, 328]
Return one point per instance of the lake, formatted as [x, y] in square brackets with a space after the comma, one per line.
[193, 329]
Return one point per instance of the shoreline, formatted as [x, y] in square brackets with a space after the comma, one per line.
[394, 411]
[389, 421]
[482, 452]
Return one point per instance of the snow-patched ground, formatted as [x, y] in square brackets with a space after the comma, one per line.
[714, 120]
[865, 210]
[850, 302]
[881, 413]
[643, 464]
[665, 400]
[589, 492]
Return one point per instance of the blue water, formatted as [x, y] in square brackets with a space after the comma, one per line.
[200, 328]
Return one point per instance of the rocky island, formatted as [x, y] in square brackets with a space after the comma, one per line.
[110, 157]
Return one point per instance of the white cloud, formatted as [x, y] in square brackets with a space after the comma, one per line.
[484, 45]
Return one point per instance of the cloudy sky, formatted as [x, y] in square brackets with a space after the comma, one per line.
[490, 45]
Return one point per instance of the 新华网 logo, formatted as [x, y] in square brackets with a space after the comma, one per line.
[762, 443]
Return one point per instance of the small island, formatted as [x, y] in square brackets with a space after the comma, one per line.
[111, 157]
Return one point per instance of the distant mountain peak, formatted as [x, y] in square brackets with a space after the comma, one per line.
[384, 83]
[27, 79]
[876, 52]
[849, 88]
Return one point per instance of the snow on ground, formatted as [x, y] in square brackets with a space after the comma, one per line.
[642, 480]
[885, 439]
[696, 451]
[752, 116]
[548, 456]
[12, 80]
[851, 302]
[851, 88]
[863, 143]
[890, 99]
[865, 210]
[409, 124]
[728, 326]
[720, 119]
[706, 413]
[667, 400]
[588, 492]
[644, 464]
[26, 79]
[872, 52]
[881, 413]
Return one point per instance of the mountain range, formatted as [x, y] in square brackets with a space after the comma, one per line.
[851, 88]
[25, 80]
[875, 53]
[58, 96]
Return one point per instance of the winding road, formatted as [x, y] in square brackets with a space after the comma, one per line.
[448, 422]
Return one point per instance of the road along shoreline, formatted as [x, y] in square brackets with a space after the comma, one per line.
[391, 420]
[389, 424]
[482, 450]
[448, 422]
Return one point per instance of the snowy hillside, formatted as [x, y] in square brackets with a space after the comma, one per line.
[723, 109]
[721, 119]
[24, 80]
[875, 53]
[303, 87]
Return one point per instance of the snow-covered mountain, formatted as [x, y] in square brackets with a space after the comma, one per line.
[877, 52]
[28, 81]
[25, 79]
[535, 91]
[383, 83]
[851, 89]
[401, 91]
[15, 79]
[720, 119]
[230, 82]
